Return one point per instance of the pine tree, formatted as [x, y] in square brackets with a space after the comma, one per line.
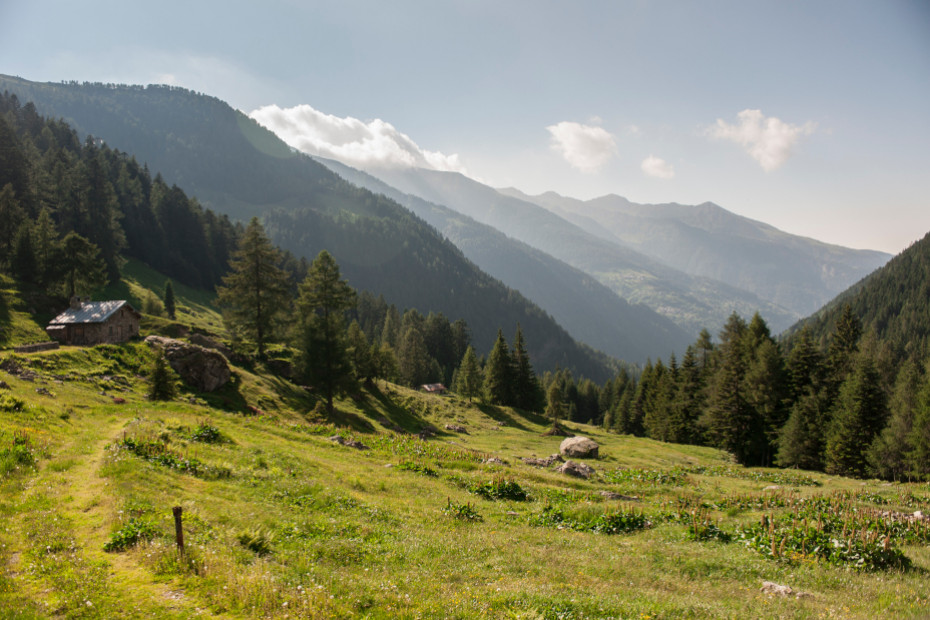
[323, 353]
[859, 416]
[555, 411]
[255, 292]
[470, 381]
[888, 455]
[162, 381]
[360, 353]
[169, 300]
[80, 262]
[918, 457]
[526, 391]
[498, 373]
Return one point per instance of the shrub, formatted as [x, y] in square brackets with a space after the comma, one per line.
[129, 535]
[462, 512]
[500, 488]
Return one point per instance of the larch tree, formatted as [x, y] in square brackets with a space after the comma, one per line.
[324, 298]
[255, 292]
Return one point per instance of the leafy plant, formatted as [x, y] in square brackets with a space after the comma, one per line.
[462, 512]
[134, 531]
[419, 468]
[206, 433]
[500, 488]
[257, 540]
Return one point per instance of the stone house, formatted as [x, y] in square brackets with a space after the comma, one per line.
[88, 322]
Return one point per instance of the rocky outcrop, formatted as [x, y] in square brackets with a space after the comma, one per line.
[579, 448]
[203, 369]
[578, 470]
[546, 462]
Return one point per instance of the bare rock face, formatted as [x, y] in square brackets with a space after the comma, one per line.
[579, 448]
[209, 343]
[578, 470]
[204, 369]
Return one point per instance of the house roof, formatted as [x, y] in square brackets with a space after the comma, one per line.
[90, 312]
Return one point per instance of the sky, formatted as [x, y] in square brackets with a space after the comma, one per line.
[810, 116]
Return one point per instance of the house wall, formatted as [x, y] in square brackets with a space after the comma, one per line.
[120, 327]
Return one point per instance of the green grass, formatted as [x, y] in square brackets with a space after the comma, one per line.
[298, 525]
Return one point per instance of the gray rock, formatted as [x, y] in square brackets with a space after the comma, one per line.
[209, 343]
[456, 428]
[546, 462]
[578, 470]
[616, 497]
[579, 448]
[204, 369]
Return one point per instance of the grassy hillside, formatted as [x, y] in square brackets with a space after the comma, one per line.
[282, 521]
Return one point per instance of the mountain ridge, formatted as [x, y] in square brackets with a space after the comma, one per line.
[799, 273]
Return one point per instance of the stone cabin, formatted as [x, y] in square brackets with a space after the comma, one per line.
[88, 322]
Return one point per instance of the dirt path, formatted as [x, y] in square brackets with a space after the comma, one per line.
[84, 496]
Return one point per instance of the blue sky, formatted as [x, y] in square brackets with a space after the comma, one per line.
[811, 116]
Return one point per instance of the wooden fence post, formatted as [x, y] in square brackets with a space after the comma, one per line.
[178, 528]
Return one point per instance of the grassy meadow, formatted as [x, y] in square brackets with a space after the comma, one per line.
[282, 521]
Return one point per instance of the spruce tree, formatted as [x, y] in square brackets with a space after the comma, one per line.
[360, 354]
[169, 300]
[469, 376]
[255, 293]
[858, 417]
[498, 373]
[555, 410]
[323, 358]
[888, 454]
[162, 381]
[526, 391]
[81, 265]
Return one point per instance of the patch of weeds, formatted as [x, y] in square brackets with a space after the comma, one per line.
[134, 531]
[419, 468]
[786, 478]
[462, 512]
[620, 521]
[10, 403]
[836, 541]
[157, 452]
[206, 433]
[18, 454]
[701, 528]
[498, 488]
[257, 540]
[645, 476]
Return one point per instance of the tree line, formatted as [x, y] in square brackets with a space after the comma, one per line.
[343, 339]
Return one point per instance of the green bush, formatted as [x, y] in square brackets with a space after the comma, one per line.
[129, 535]
[500, 488]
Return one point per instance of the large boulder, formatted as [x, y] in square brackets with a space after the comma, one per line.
[578, 470]
[203, 369]
[579, 448]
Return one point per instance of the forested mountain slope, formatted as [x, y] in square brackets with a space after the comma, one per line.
[588, 310]
[692, 302]
[893, 303]
[237, 168]
[798, 273]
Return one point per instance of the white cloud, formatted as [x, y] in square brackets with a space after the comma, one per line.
[770, 141]
[373, 144]
[658, 167]
[585, 147]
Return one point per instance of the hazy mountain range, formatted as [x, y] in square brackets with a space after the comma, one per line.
[634, 281]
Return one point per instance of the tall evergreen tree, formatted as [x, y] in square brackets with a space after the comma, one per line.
[888, 455]
[498, 373]
[255, 292]
[323, 354]
[858, 418]
[469, 377]
[170, 308]
[526, 392]
[83, 268]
